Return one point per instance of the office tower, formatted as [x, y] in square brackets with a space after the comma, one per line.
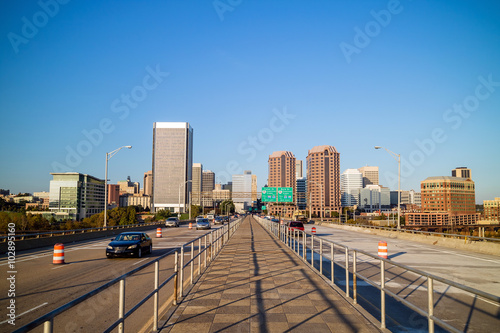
[461, 172]
[208, 185]
[282, 173]
[351, 181]
[172, 165]
[492, 211]
[242, 191]
[446, 201]
[374, 198]
[301, 190]
[299, 171]
[113, 194]
[197, 185]
[148, 183]
[127, 186]
[323, 180]
[254, 188]
[370, 175]
[75, 196]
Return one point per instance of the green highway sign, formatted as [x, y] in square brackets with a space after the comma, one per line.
[277, 194]
[269, 194]
[285, 194]
[264, 208]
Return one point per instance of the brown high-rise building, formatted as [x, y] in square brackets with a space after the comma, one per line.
[323, 180]
[148, 183]
[282, 174]
[370, 175]
[446, 201]
[462, 172]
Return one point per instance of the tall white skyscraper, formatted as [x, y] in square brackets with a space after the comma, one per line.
[351, 181]
[172, 165]
[197, 184]
[242, 190]
[299, 171]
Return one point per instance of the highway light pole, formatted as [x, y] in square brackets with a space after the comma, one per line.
[108, 156]
[397, 157]
[180, 185]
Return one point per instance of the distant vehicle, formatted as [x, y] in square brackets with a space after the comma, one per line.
[202, 224]
[172, 222]
[199, 217]
[129, 244]
[218, 220]
[210, 218]
[225, 218]
[295, 225]
[275, 220]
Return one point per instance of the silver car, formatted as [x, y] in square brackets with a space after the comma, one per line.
[172, 222]
[202, 224]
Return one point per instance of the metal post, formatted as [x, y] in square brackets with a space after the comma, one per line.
[48, 326]
[176, 279]
[121, 306]
[155, 306]
[181, 272]
[346, 272]
[382, 293]
[205, 250]
[354, 279]
[105, 194]
[312, 251]
[199, 256]
[332, 264]
[430, 301]
[321, 256]
[192, 261]
[304, 243]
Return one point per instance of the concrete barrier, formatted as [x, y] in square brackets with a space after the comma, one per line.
[33, 243]
[448, 242]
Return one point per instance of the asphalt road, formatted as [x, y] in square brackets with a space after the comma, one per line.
[41, 287]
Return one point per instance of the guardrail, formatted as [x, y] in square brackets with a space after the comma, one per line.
[209, 245]
[420, 232]
[320, 254]
[76, 231]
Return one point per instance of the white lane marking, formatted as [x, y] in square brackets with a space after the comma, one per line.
[59, 266]
[138, 262]
[25, 312]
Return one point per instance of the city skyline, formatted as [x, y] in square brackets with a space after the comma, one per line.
[424, 83]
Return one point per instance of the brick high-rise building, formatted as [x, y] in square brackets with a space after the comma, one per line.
[323, 180]
[197, 184]
[492, 210]
[446, 201]
[148, 183]
[370, 175]
[282, 174]
[208, 185]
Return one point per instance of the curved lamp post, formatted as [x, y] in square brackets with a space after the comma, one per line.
[108, 156]
[397, 157]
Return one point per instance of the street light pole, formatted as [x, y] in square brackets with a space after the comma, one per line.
[180, 185]
[108, 156]
[397, 157]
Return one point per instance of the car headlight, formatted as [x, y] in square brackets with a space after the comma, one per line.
[132, 247]
[110, 247]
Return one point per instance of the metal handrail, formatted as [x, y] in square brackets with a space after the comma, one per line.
[285, 234]
[48, 319]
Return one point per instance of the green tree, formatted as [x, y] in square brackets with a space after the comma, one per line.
[195, 211]
[162, 214]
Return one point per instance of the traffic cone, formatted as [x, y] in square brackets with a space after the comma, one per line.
[190, 225]
[382, 249]
[313, 230]
[158, 233]
[58, 254]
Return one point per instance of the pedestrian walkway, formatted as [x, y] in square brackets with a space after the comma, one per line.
[257, 284]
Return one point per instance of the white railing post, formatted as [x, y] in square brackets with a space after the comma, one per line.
[430, 301]
[347, 272]
[181, 272]
[321, 256]
[192, 261]
[121, 306]
[332, 269]
[354, 280]
[155, 306]
[382, 294]
[48, 326]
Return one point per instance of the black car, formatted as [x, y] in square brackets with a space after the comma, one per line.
[218, 220]
[128, 244]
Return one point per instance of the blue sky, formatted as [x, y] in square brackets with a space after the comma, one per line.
[421, 78]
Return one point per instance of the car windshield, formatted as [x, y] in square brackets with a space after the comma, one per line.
[202, 221]
[128, 237]
[171, 219]
[296, 224]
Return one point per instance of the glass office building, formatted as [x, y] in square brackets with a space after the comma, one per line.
[75, 196]
[172, 165]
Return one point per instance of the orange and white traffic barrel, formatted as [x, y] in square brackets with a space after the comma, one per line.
[158, 233]
[382, 249]
[313, 230]
[190, 225]
[58, 254]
